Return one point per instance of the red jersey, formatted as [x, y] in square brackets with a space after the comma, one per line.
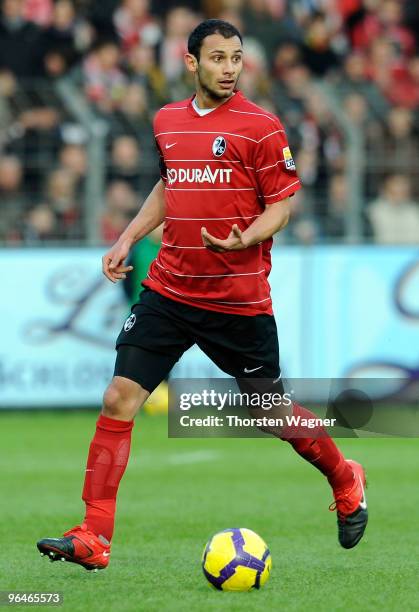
[219, 169]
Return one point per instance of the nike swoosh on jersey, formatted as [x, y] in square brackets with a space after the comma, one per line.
[169, 146]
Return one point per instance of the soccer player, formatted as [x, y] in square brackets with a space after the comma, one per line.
[226, 178]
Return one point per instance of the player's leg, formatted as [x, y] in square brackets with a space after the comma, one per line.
[247, 348]
[88, 544]
[346, 477]
[138, 371]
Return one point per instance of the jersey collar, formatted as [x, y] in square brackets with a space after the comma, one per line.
[226, 105]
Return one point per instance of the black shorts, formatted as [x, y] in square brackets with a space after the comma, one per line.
[160, 330]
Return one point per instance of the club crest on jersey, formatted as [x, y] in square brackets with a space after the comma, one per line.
[130, 322]
[219, 146]
[289, 162]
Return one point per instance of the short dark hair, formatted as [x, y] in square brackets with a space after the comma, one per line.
[208, 27]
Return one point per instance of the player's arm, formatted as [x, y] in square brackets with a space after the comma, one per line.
[273, 219]
[150, 216]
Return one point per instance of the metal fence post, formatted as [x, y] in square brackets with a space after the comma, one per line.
[95, 181]
[355, 166]
[96, 130]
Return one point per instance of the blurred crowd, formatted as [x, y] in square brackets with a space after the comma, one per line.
[126, 57]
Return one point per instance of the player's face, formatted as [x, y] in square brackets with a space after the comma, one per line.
[219, 67]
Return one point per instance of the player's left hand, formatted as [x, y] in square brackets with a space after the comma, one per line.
[234, 241]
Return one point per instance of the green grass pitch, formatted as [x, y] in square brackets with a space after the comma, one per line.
[177, 493]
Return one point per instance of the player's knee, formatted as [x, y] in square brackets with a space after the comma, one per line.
[113, 401]
[123, 399]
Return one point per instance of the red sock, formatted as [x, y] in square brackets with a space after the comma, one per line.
[319, 449]
[106, 463]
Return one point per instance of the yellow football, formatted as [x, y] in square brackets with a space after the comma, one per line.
[236, 560]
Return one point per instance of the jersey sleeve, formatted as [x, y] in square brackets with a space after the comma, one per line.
[162, 165]
[274, 166]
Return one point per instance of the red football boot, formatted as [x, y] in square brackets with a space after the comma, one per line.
[78, 545]
[351, 506]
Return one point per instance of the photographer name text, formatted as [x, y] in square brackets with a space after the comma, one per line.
[232, 420]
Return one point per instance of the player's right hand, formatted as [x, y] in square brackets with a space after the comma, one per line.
[113, 262]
